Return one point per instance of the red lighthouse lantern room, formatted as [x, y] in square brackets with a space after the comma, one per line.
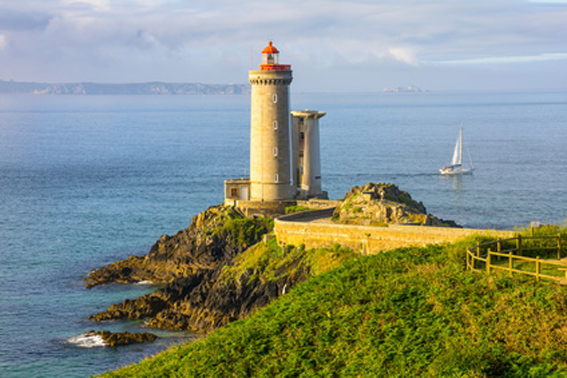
[271, 59]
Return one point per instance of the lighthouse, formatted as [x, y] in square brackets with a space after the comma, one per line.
[285, 165]
[270, 164]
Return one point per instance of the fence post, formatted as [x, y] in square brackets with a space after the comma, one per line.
[488, 261]
[519, 244]
[559, 246]
[510, 263]
[537, 268]
[499, 245]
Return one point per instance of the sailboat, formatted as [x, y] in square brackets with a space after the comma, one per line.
[456, 167]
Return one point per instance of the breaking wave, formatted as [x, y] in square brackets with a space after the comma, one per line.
[87, 340]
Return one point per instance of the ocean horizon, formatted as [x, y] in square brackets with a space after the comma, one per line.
[88, 180]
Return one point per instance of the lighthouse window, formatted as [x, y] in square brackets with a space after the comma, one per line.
[275, 125]
[302, 136]
[276, 178]
[275, 151]
[301, 153]
[275, 98]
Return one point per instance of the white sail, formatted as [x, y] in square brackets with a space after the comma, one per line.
[458, 152]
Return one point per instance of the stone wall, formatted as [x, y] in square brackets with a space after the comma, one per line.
[367, 239]
[318, 203]
[263, 209]
[275, 208]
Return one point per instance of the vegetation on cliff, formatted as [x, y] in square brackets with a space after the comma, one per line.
[407, 312]
[382, 204]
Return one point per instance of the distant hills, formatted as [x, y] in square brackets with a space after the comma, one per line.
[410, 88]
[151, 88]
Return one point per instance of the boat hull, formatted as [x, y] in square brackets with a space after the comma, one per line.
[458, 171]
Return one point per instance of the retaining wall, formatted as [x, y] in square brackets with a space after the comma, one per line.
[366, 239]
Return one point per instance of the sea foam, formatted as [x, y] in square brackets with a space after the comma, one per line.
[87, 340]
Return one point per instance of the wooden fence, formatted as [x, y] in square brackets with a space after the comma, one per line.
[538, 256]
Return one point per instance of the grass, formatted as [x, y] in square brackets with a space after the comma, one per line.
[295, 209]
[408, 312]
[417, 218]
[269, 261]
[379, 224]
[244, 231]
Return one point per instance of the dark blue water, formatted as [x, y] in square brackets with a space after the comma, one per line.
[85, 181]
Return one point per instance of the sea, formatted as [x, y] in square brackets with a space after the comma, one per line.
[88, 180]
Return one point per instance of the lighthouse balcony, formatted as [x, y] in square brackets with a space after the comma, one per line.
[275, 67]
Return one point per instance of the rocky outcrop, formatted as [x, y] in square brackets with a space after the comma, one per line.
[122, 338]
[204, 302]
[198, 264]
[214, 237]
[382, 204]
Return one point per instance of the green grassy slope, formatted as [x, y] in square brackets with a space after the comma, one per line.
[409, 312]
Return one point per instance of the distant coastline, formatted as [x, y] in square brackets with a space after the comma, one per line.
[411, 88]
[149, 88]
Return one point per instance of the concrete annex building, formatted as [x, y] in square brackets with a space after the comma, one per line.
[285, 163]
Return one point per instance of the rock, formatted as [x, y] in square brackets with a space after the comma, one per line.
[207, 300]
[382, 204]
[122, 338]
[198, 295]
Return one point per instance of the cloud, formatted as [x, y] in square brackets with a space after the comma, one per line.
[510, 59]
[404, 55]
[549, 1]
[123, 40]
[17, 20]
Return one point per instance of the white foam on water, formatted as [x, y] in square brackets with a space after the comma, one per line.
[144, 283]
[87, 340]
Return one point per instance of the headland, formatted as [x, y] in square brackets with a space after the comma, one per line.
[226, 265]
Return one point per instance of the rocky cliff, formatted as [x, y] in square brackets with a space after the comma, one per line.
[207, 286]
[382, 204]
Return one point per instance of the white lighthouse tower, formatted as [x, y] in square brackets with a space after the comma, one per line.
[270, 169]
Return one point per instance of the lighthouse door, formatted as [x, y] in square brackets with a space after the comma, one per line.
[244, 193]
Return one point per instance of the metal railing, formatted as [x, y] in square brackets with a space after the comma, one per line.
[537, 256]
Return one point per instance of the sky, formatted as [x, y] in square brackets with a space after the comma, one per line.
[332, 45]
